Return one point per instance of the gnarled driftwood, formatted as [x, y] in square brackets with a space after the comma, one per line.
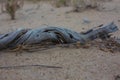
[53, 34]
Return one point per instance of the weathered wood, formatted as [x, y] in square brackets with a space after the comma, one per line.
[55, 35]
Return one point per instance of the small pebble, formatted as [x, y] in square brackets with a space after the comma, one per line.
[86, 21]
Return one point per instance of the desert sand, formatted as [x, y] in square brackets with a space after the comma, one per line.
[76, 63]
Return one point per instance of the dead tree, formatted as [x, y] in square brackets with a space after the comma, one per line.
[55, 35]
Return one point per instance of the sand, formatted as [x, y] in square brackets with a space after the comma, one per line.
[76, 63]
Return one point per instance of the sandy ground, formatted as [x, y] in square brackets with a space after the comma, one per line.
[77, 64]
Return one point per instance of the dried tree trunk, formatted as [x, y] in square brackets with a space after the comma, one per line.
[53, 34]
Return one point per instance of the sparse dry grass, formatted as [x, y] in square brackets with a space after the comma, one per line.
[78, 5]
[59, 3]
[11, 6]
